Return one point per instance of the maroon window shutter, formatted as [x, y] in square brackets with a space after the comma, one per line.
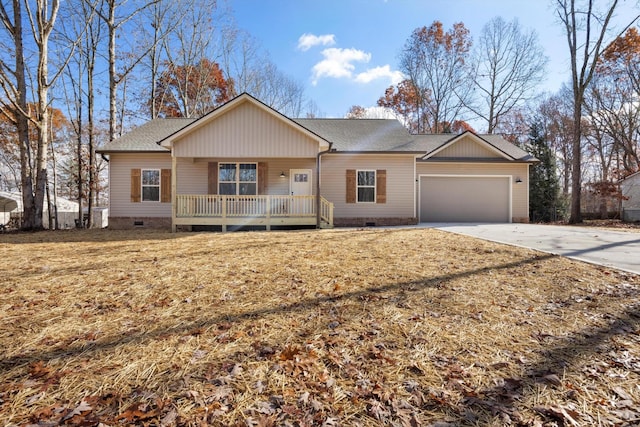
[136, 185]
[262, 178]
[381, 186]
[165, 186]
[351, 186]
[212, 184]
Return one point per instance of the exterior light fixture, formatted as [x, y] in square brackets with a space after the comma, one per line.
[518, 180]
[282, 175]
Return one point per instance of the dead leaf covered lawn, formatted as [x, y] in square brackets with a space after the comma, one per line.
[337, 327]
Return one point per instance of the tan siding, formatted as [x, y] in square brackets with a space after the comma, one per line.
[400, 184]
[520, 201]
[246, 129]
[120, 166]
[467, 148]
[193, 176]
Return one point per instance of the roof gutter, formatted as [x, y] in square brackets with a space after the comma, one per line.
[328, 150]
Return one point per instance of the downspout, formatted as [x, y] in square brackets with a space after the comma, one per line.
[318, 182]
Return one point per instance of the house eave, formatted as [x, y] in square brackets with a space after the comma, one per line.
[473, 160]
[391, 153]
[164, 151]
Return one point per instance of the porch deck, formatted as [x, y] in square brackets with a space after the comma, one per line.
[267, 210]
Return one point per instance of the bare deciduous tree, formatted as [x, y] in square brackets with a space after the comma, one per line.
[14, 103]
[508, 63]
[586, 29]
[436, 63]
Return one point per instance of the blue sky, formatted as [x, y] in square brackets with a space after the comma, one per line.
[349, 52]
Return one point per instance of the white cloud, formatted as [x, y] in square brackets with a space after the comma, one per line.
[338, 63]
[371, 74]
[307, 41]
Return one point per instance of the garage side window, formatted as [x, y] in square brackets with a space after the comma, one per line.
[150, 185]
[366, 186]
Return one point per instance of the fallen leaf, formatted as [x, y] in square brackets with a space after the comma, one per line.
[78, 410]
[622, 393]
[559, 413]
[33, 399]
[38, 370]
[169, 419]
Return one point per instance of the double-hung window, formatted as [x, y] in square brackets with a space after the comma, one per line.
[150, 185]
[238, 178]
[366, 186]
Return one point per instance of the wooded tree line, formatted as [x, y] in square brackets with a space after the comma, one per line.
[78, 73]
[592, 125]
[60, 61]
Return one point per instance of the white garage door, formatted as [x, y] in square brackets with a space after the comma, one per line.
[465, 199]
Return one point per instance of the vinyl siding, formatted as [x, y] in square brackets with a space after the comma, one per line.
[631, 189]
[467, 148]
[520, 193]
[120, 166]
[246, 129]
[192, 176]
[400, 184]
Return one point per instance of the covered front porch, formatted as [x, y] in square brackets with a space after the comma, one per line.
[252, 210]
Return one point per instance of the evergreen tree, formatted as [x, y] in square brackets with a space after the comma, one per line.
[545, 201]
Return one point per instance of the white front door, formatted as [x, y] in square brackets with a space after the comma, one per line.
[300, 185]
[300, 182]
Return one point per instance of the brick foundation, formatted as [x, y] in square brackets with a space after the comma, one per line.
[521, 220]
[129, 223]
[373, 222]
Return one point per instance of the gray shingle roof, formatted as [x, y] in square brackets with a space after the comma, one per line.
[147, 136]
[360, 134]
[505, 146]
[364, 135]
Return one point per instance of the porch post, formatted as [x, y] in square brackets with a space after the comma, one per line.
[268, 209]
[224, 214]
[174, 191]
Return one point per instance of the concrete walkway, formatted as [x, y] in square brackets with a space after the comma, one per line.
[616, 249]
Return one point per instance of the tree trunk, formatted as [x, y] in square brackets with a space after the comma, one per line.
[91, 132]
[576, 167]
[55, 188]
[22, 123]
[113, 84]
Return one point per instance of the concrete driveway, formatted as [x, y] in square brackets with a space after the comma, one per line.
[616, 249]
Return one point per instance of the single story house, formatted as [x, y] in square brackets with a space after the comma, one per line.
[246, 164]
[630, 189]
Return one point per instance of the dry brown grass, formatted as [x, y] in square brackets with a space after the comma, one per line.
[341, 327]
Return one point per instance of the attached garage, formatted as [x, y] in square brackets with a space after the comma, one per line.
[465, 198]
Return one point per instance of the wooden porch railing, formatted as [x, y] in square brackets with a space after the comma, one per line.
[268, 206]
[326, 211]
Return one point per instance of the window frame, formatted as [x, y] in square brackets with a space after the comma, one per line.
[143, 185]
[237, 182]
[374, 186]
